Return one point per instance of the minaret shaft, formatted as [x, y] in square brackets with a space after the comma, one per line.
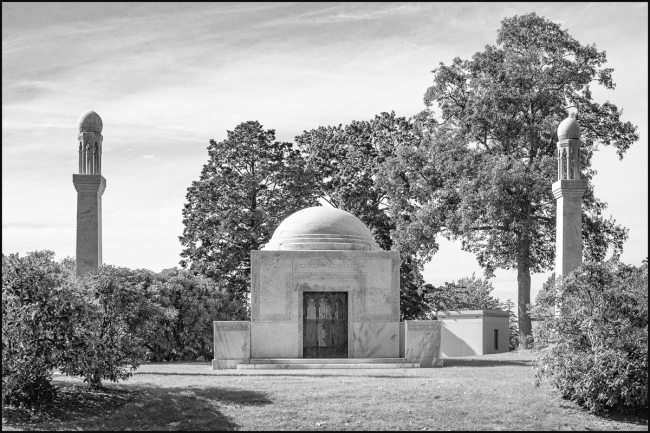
[568, 232]
[90, 188]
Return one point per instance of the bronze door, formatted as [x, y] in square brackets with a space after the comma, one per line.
[325, 325]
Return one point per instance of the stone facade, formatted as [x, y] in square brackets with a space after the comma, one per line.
[279, 279]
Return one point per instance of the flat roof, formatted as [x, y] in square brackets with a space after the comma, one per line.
[461, 313]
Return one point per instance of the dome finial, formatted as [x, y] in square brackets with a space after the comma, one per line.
[90, 122]
[569, 128]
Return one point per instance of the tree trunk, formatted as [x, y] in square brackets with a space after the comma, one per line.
[523, 286]
[95, 380]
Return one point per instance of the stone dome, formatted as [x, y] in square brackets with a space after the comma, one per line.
[322, 228]
[568, 128]
[90, 122]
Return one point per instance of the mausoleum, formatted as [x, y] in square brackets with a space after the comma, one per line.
[323, 293]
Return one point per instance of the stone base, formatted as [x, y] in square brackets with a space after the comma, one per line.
[327, 366]
[220, 364]
[427, 362]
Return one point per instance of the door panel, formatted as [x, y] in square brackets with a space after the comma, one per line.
[325, 325]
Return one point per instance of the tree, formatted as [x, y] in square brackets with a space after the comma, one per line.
[248, 186]
[346, 161]
[484, 174]
[469, 293]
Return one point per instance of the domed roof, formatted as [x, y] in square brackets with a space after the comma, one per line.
[322, 228]
[568, 128]
[90, 122]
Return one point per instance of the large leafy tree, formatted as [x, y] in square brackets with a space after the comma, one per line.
[484, 175]
[346, 161]
[250, 183]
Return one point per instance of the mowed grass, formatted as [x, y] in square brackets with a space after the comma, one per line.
[493, 392]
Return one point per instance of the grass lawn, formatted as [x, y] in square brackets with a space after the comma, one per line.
[492, 392]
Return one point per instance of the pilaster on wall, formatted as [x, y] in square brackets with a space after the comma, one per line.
[90, 188]
[568, 235]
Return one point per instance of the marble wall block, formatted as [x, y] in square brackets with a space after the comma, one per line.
[422, 342]
[376, 340]
[232, 343]
[274, 340]
[276, 294]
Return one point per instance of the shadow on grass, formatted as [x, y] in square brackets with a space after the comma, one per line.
[122, 406]
[639, 418]
[633, 417]
[72, 402]
[459, 362]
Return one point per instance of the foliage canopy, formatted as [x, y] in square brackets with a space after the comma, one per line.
[484, 174]
[345, 162]
[248, 186]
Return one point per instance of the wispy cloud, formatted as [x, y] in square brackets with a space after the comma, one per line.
[166, 78]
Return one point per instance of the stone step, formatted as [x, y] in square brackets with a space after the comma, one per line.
[325, 366]
[329, 361]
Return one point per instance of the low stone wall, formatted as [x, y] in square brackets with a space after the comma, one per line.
[232, 344]
[422, 342]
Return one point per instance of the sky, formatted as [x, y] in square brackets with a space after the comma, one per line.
[166, 78]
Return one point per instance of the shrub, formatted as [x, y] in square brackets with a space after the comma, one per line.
[191, 303]
[595, 350]
[110, 335]
[100, 326]
[38, 310]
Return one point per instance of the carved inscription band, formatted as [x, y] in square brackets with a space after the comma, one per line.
[421, 326]
[233, 327]
[327, 266]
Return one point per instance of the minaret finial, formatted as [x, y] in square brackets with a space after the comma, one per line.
[90, 140]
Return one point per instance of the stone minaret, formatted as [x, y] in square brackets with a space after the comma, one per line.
[568, 191]
[90, 185]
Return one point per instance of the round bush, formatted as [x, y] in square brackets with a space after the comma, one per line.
[38, 307]
[593, 338]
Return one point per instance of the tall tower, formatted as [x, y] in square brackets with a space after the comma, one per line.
[90, 185]
[568, 191]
